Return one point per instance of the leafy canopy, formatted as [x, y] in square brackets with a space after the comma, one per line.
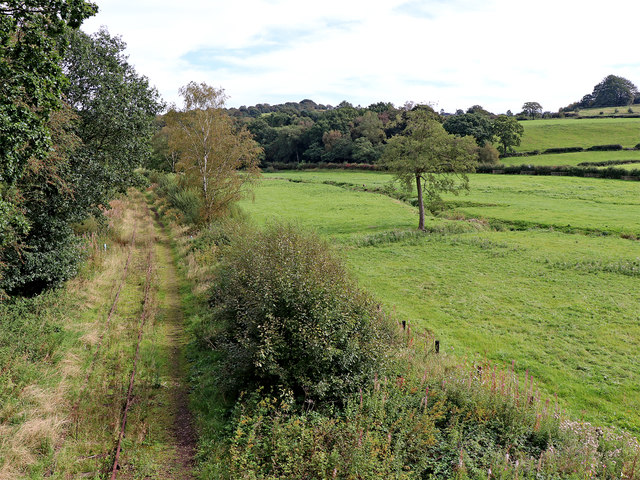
[216, 155]
[508, 132]
[425, 153]
[31, 80]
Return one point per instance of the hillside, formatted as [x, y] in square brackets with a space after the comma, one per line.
[556, 133]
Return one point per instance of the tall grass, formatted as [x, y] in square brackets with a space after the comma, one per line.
[182, 201]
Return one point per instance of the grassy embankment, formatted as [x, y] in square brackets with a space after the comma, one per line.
[561, 133]
[575, 158]
[563, 307]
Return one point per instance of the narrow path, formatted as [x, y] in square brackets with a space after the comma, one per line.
[132, 411]
[181, 463]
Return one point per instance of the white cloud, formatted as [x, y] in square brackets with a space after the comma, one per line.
[453, 53]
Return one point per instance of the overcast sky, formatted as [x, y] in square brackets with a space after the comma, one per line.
[450, 53]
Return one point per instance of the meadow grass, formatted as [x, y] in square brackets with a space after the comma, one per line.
[621, 111]
[567, 132]
[520, 201]
[573, 158]
[564, 307]
[347, 213]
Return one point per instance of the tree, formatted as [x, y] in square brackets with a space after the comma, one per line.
[478, 109]
[532, 109]
[370, 127]
[614, 91]
[31, 80]
[213, 149]
[473, 124]
[509, 132]
[32, 160]
[96, 143]
[425, 153]
[116, 110]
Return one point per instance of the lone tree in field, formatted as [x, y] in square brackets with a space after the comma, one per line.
[216, 155]
[425, 153]
[508, 131]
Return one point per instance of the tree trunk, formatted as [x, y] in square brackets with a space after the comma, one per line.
[420, 202]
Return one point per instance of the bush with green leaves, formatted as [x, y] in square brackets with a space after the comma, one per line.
[286, 315]
[458, 422]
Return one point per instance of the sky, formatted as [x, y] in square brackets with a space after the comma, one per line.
[451, 54]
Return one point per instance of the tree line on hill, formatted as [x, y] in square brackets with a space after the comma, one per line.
[75, 121]
[306, 132]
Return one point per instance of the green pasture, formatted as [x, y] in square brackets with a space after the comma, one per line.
[563, 306]
[567, 203]
[621, 111]
[567, 132]
[330, 210]
[573, 158]
[520, 201]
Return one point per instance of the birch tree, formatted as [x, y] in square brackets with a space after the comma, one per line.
[216, 155]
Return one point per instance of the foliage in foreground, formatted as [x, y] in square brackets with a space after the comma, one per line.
[96, 142]
[447, 425]
[27, 335]
[419, 416]
[286, 315]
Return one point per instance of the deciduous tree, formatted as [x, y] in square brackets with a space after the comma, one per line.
[116, 109]
[216, 154]
[425, 153]
[474, 124]
[31, 79]
[532, 109]
[509, 132]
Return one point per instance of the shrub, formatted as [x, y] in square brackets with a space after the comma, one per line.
[285, 314]
[564, 150]
[601, 148]
[488, 154]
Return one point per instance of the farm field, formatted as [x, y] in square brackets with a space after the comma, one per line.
[573, 158]
[562, 306]
[621, 111]
[567, 132]
[520, 201]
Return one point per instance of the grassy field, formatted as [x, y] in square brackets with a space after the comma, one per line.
[520, 201]
[573, 158]
[562, 306]
[555, 133]
[621, 111]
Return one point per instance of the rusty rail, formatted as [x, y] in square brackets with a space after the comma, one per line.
[129, 399]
